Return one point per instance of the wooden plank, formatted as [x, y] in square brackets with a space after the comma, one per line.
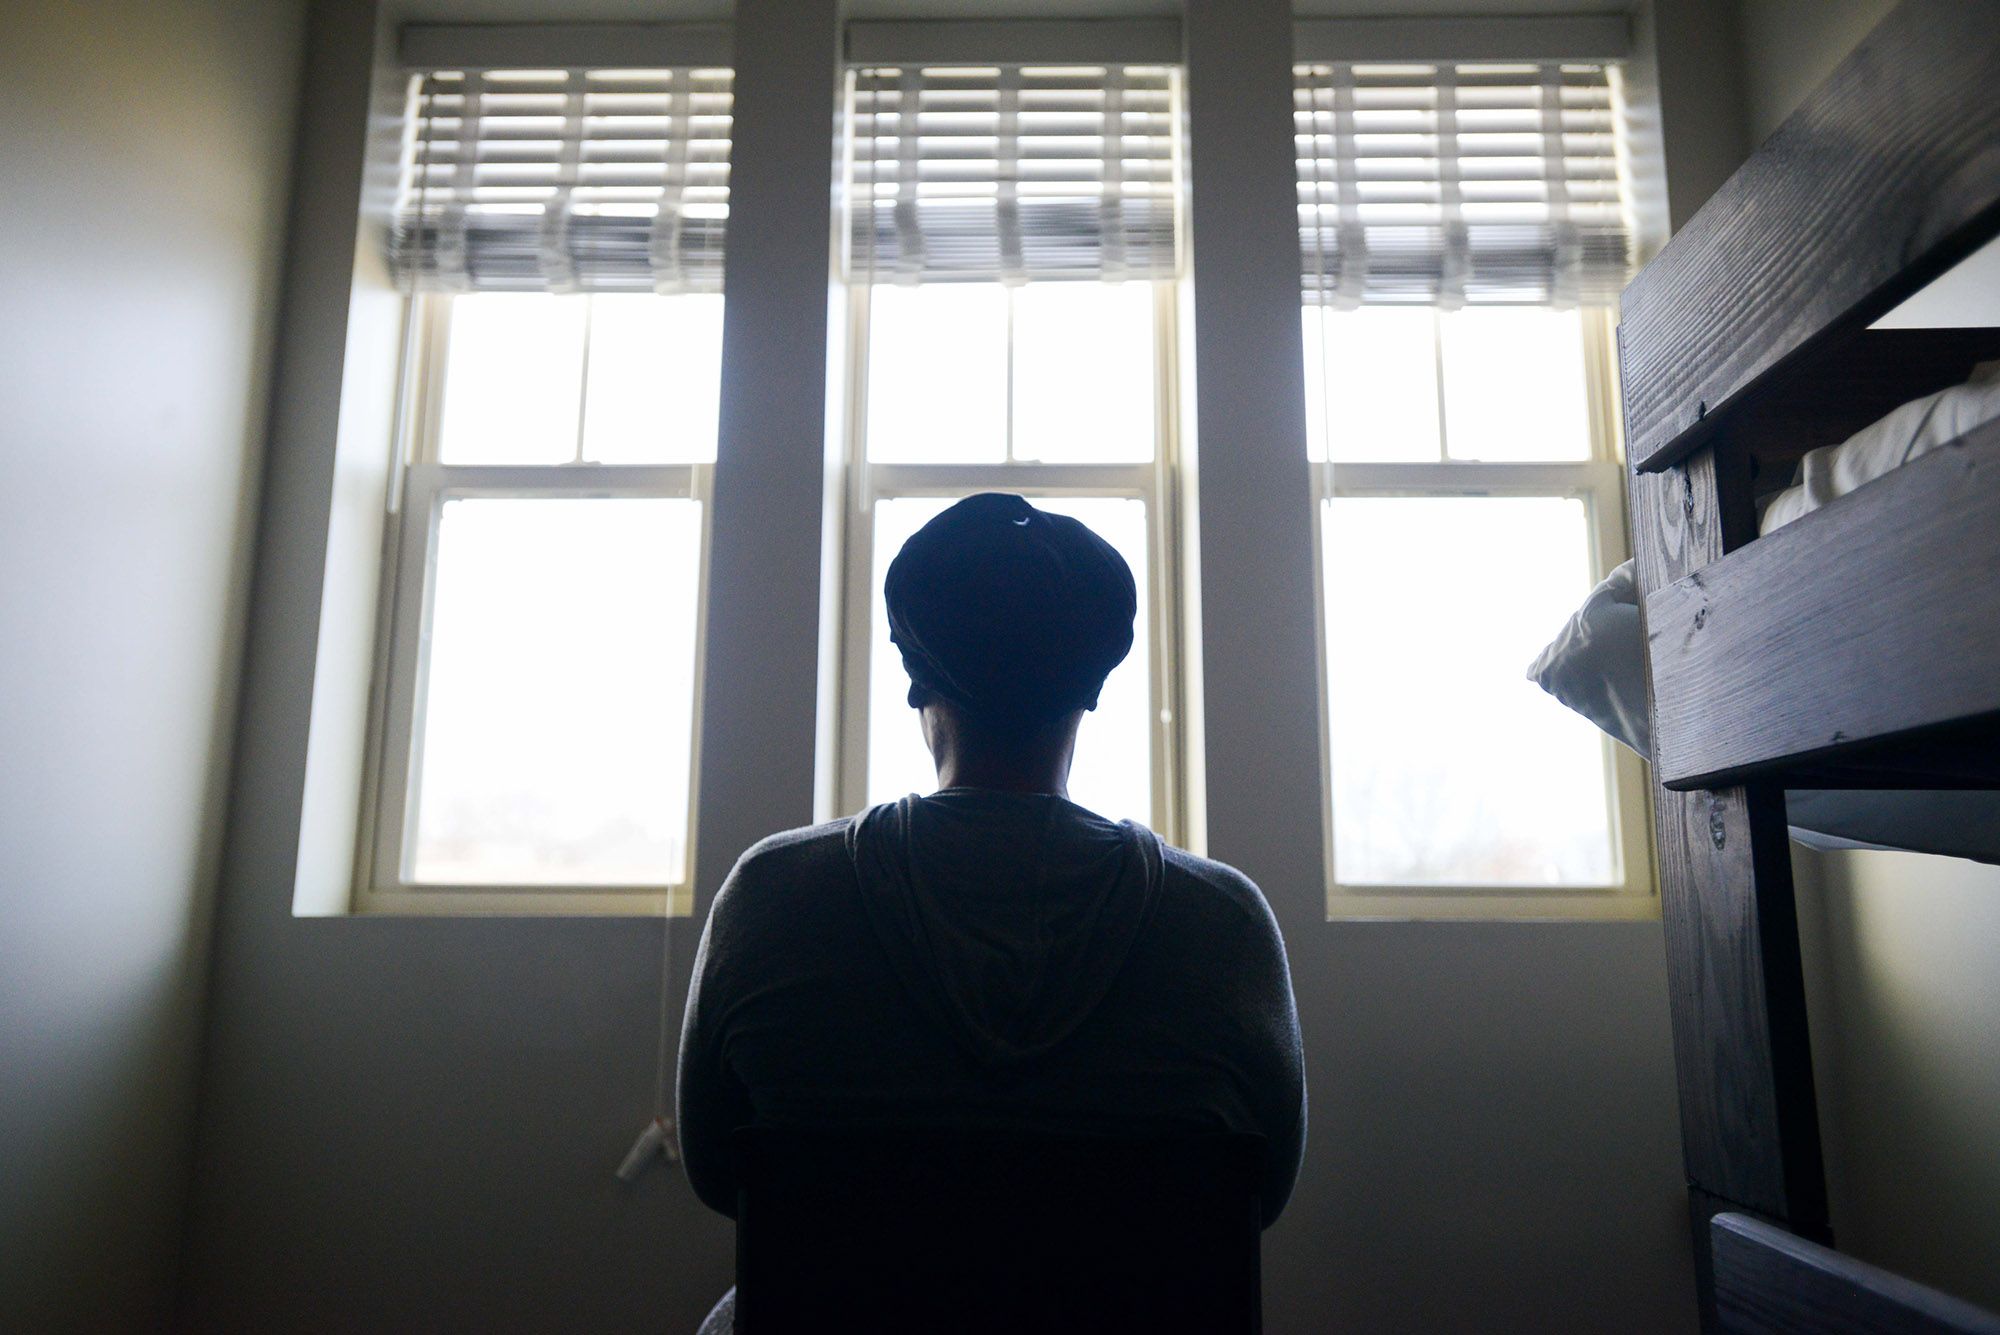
[1886, 176]
[1959, 757]
[1702, 1208]
[1769, 1282]
[1826, 399]
[1749, 1126]
[1867, 620]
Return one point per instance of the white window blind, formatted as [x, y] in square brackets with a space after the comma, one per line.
[577, 180]
[1450, 184]
[1012, 173]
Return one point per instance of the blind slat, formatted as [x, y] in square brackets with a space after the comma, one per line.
[1447, 184]
[1011, 173]
[565, 181]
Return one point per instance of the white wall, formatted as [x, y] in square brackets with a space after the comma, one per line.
[412, 1123]
[1790, 46]
[1903, 985]
[146, 158]
[1902, 952]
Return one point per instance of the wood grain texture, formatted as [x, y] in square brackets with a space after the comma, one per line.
[1883, 178]
[1749, 1126]
[1702, 1208]
[1959, 756]
[1866, 620]
[1769, 1282]
[1824, 399]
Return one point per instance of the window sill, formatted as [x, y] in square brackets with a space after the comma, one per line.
[1449, 904]
[522, 902]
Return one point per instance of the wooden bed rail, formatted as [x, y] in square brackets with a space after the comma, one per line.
[1884, 178]
[1855, 627]
[1770, 1282]
[1746, 342]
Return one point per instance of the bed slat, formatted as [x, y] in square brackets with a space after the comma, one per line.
[1749, 1124]
[1768, 1282]
[1863, 623]
[1888, 174]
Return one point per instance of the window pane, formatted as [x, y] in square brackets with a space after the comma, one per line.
[1083, 372]
[557, 708]
[898, 760]
[937, 373]
[1371, 384]
[513, 372]
[1449, 766]
[655, 379]
[1514, 384]
[1113, 773]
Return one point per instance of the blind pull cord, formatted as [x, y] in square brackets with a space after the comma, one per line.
[660, 1139]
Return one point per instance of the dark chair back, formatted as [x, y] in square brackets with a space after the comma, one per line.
[890, 1232]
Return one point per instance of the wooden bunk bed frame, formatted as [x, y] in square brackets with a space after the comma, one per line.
[1858, 647]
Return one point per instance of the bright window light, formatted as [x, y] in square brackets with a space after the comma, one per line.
[1514, 388]
[555, 704]
[1450, 768]
[1371, 384]
[1409, 384]
[655, 379]
[937, 373]
[513, 374]
[1083, 372]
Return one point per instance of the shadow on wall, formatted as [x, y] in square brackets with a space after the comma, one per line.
[139, 244]
[1903, 974]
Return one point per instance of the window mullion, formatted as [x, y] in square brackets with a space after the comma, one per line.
[1437, 364]
[1008, 434]
[583, 376]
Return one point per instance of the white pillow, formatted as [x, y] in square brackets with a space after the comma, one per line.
[1908, 432]
[1597, 664]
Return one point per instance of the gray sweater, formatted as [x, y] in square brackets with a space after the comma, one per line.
[988, 961]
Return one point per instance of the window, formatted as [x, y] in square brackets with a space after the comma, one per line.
[1464, 232]
[539, 689]
[1011, 255]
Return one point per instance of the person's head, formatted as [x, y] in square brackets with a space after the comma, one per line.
[1009, 619]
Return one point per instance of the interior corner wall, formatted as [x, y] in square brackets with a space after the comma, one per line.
[1789, 46]
[146, 161]
[1686, 71]
[1903, 989]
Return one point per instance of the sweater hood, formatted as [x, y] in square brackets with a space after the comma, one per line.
[1007, 916]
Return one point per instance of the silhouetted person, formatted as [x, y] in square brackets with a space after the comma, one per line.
[992, 956]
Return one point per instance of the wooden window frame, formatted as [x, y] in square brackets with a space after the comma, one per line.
[1153, 482]
[1599, 482]
[420, 485]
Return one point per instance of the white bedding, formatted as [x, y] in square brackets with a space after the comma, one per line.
[1596, 664]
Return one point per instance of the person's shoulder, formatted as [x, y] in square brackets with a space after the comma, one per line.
[783, 866]
[1213, 887]
[790, 848]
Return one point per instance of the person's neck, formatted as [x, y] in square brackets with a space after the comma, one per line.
[1006, 775]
